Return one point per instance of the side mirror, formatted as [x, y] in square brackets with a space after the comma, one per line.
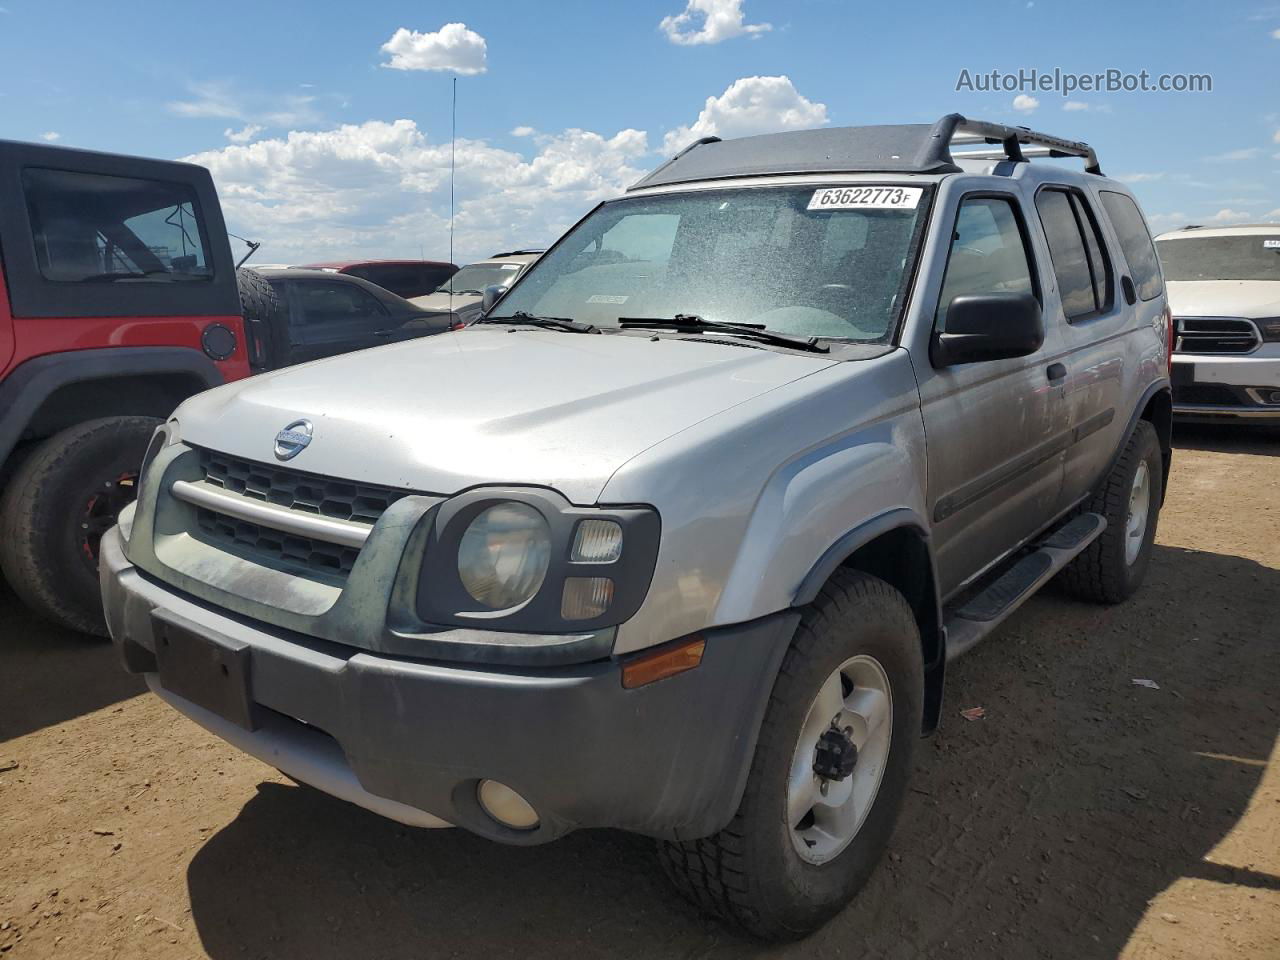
[492, 294]
[990, 326]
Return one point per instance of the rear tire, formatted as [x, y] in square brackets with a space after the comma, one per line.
[258, 306]
[55, 509]
[1112, 568]
[752, 873]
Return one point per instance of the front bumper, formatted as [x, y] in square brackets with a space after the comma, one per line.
[411, 739]
[1213, 387]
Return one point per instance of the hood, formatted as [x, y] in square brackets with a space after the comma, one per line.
[1251, 299]
[440, 302]
[479, 406]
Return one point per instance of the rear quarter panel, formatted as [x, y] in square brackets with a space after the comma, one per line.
[752, 498]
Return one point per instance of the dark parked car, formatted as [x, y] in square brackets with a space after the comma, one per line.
[321, 314]
[404, 278]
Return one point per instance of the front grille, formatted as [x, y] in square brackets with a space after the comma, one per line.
[256, 540]
[1214, 335]
[296, 490]
[309, 492]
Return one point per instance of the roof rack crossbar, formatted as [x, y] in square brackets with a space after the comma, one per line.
[956, 129]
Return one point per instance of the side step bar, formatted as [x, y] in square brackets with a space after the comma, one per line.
[985, 611]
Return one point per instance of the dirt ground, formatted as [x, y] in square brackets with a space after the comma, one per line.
[1084, 816]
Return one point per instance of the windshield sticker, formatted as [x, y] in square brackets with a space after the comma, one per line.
[865, 198]
[601, 298]
[1271, 244]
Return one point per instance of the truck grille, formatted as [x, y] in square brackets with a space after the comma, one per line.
[308, 492]
[305, 492]
[1210, 335]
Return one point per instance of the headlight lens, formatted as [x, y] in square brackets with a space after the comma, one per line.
[504, 555]
[1269, 328]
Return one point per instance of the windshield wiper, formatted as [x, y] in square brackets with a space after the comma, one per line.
[141, 275]
[689, 323]
[547, 323]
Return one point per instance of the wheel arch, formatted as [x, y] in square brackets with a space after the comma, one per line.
[1157, 409]
[896, 548]
[51, 392]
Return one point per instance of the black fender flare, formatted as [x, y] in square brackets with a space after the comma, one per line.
[32, 382]
[928, 609]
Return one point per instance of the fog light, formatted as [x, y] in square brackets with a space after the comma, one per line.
[506, 806]
[597, 541]
[586, 598]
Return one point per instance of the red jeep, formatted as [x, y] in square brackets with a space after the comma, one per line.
[118, 299]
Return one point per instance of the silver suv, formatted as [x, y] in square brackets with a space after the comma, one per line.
[681, 536]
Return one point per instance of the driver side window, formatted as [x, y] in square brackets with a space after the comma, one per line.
[988, 254]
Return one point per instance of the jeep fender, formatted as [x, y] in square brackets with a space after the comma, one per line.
[24, 391]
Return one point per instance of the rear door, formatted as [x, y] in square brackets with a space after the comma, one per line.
[995, 429]
[1095, 314]
[329, 317]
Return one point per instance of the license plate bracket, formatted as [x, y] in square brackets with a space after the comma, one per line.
[210, 670]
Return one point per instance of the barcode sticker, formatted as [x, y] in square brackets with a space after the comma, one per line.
[865, 198]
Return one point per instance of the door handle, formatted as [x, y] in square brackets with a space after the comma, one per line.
[1130, 292]
[1056, 371]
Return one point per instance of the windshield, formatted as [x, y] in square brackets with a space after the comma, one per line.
[473, 278]
[1251, 257]
[756, 255]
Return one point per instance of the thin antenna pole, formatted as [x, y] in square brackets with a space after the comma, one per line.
[453, 162]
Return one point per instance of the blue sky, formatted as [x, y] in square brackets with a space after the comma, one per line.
[327, 137]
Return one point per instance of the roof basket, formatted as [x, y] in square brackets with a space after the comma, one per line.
[957, 130]
[907, 148]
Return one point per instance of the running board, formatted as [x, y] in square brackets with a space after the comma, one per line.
[985, 611]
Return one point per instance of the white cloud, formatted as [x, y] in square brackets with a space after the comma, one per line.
[1139, 177]
[382, 189]
[1227, 215]
[709, 21]
[749, 106]
[1272, 214]
[244, 134]
[51, 136]
[523, 132]
[1245, 153]
[1275, 34]
[1276, 136]
[1074, 105]
[1025, 104]
[217, 101]
[453, 47]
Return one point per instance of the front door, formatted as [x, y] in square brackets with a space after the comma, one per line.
[329, 317]
[995, 429]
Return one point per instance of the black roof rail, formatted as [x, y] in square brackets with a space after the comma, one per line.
[1194, 226]
[956, 129]
[920, 148]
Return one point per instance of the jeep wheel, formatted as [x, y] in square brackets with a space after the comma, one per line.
[1112, 567]
[829, 771]
[56, 508]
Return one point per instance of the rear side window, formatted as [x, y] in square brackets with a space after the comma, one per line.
[1079, 256]
[988, 253]
[90, 227]
[323, 302]
[1135, 241]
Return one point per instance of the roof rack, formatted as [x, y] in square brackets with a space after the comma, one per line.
[524, 251]
[904, 148]
[958, 130]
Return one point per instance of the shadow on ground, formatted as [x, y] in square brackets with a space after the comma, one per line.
[49, 674]
[1228, 438]
[1040, 831]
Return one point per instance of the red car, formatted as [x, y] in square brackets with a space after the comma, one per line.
[404, 278]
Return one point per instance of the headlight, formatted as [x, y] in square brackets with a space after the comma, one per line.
[1269, 328]
[504, 555]
[525, 560]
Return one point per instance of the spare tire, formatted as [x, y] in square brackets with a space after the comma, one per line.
[258, 306]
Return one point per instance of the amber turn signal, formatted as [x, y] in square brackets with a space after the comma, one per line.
[662, 663]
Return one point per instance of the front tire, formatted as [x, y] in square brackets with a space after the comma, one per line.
[57, 506]
[793, 856]
[1112, 568]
